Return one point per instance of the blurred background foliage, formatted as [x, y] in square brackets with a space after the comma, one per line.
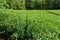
[30, 4]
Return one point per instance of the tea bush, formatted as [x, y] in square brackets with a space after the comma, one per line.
[29, 25]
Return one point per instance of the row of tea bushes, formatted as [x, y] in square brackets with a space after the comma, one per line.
[29, 25]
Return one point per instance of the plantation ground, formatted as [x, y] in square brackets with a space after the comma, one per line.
[30, 24]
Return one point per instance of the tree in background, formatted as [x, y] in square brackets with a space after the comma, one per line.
[3, 4]
[56, 4]
[30, 4]
[16, 4]
[49, 4]
[33, 4]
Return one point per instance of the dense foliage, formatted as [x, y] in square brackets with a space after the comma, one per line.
[12, 24]
[30, 4]
[17, 23]
[29, 25]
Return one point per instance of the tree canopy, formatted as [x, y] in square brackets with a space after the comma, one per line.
[30, 4]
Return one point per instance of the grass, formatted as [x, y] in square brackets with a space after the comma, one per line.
[30, 24]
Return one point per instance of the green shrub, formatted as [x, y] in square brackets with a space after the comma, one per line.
[12, 24]
[43, 25]
[29, 25]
